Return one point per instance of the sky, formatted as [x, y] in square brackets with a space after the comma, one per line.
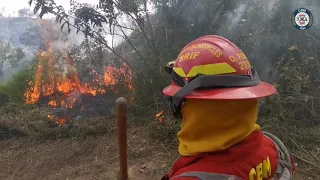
[11, 7]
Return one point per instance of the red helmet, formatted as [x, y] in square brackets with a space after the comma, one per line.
[212, 67]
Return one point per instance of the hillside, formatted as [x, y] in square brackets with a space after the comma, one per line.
[27, 31]
[12, 28]
[28, 34]
[57, 112]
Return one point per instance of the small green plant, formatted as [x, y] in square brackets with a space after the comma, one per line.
[12, 93]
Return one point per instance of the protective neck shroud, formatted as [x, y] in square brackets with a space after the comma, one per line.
[215, 125]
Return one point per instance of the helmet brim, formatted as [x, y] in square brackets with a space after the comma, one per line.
[254, 92]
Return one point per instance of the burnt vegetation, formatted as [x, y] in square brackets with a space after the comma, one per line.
[150, 38]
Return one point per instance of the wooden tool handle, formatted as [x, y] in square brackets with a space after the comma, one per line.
[121, 110]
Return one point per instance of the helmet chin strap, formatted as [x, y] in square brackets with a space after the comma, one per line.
[176, 111]
[209, 81]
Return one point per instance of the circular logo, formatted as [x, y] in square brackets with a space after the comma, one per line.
[302, 19]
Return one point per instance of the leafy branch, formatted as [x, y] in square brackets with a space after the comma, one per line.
[85, 20]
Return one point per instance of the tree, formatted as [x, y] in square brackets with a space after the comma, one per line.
[32, 37]
[106, 14]
[26, 12]
[157, 38]
[2, 11]
[10, 55]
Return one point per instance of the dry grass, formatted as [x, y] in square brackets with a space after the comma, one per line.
[36, 124]
[88, 149]
[85, 150]
[91, 157]
[302, 141]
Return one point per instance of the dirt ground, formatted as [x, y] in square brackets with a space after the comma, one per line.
[88, 158]
[93, 157]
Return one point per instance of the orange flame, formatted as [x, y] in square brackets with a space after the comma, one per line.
[61, 121]
[65, 91]
[52, 103]
[160, 116]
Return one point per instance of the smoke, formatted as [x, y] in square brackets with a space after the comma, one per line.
[62, 38]
[14, 27]
[13, 32]
[234, 18]
[9, 71]
[263, 29]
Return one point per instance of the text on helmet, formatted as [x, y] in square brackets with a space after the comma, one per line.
[242, 60]
[187, 56]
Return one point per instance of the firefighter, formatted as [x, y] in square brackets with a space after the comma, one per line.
[216, 92]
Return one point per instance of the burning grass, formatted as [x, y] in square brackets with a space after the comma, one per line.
[58, 84]
[36, 124]
[54, 88]
[69, 87]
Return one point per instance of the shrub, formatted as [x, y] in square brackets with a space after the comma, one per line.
[12, 93]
